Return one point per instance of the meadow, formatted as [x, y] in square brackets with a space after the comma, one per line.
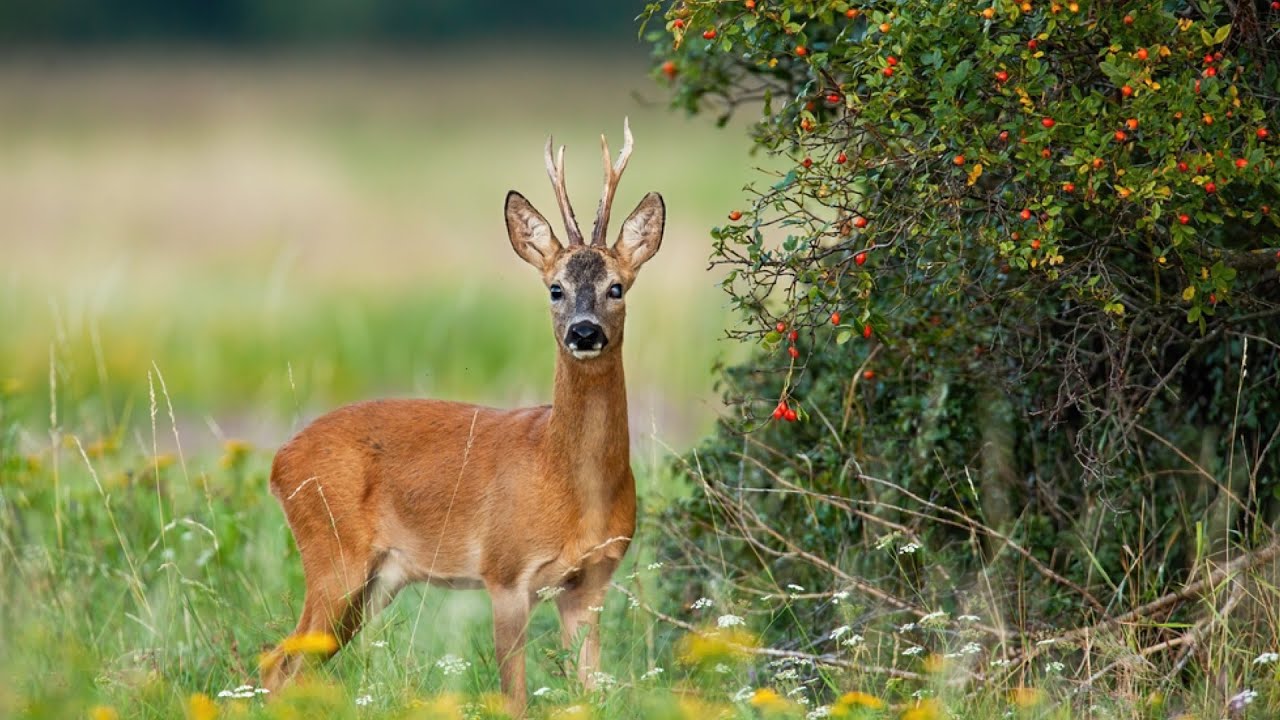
[202, 253]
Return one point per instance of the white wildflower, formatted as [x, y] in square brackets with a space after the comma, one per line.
[633, 603]
[886, 540]
[702, 603]
[840, 632]
[819, 712]
[541, 691]
[968, 618]
[722, 669]
[1266, 658]
[907, 628]
[603, 680]
[937, 617]
[852, 641]
[1001, 662]
[794, 588]
[1048, 641]
[787, 674]
[1238, 701]
[972, 648]
[379, 643]
[651, 673]
[653, 566]
[913, 650]
[728, 621]
[1054, 667]
[595, 608]
[364, 700]
[549, 592]
[909, 548]
[838, 596]
[452, 665]
[744, 694]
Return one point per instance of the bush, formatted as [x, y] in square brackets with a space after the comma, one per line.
[1017, 279]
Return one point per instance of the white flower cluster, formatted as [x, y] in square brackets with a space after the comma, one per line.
[549, 592]
[702, 603]
[728, 621]
[651, 673]
[1266, 658]
[603, 680]
[452, 665]
[364, 700]
[244, 692]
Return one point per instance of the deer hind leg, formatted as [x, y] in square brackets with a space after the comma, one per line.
[342, 588]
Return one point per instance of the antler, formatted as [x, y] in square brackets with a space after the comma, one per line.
[555, 171]
[612, 174]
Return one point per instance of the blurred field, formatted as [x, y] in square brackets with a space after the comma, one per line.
[273, 236]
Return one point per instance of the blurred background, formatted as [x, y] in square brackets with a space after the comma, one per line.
[255, 211]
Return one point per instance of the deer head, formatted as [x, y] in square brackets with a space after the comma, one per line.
[588, 284]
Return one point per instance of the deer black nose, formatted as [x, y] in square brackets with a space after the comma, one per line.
[586, 336]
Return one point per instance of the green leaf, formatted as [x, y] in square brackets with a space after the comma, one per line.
[1221, 34]
[843, 336]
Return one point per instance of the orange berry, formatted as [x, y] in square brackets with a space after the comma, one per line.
[1128, 19]
[1141, 54]
[989, 13]
[958, 160]
[852, 13]
[1068, 187]
[835, 318]
[859, 222]
[1035, 244]
[802, 50]
[1241, 163]
[709, 34]
[1132, 123]
[749, 4]
[868, 374]
[1025, 214]
[669, 69]
[885, 27]
[1120, 136]
[1126, 91]
[735, 215]
[1002, 76]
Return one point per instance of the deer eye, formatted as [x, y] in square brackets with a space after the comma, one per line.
[557, 292]
[615, 291]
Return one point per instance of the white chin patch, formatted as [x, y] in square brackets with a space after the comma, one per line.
[585, 354]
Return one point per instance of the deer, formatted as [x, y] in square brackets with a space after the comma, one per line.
[521, 503]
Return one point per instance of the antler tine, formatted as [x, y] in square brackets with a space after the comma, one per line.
[612, 174]
[555, 171]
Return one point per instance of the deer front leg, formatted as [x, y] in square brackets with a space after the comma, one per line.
[580, 608]
[510, 620]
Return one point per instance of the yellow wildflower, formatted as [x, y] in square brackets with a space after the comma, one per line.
[926, 709]
[200, 707]
[716, 646]
[770, 702]
[315, 643]
[695, 708]
[860, 699]
[103, 712]
[934, 663]
[446, 706]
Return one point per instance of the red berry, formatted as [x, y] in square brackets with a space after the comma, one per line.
[1035, 244]
[958, 160]
[893, 61]
[1069, 187]
[790, 415]
[793, 352]
[1213, 298]
[1142, 53]
[781, 327]
[1126, 91]
[669, 69]
[735, 215]
[1241, 163]
[1032, 44]
[677, 23]
[1128, 19]
[860, 258]
[866, 331]
[1025, 214]
[807, 162]
[1120, 136]
[851, 13]
[709, 34]
[1004, 136]
[1276, 5]
[833, 98]
[859, 222]
[779, 411]
[1262, 133]
[802, 50]
[1183, 167]
[1184, 218]
[1209, 187]
[1210, 72]
[1047, 122]
[841, 159]
[868, 374]
[1002, 76]
[793, 335]
[1208, 59]
[1266, 209]
[888, 72]
[835, 318]
[749, 4]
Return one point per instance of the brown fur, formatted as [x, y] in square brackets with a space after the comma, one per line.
[381, 494]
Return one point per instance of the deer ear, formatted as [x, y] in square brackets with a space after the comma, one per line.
[641, 234]
[530, 233]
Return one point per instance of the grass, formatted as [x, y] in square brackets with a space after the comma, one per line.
[203, 253]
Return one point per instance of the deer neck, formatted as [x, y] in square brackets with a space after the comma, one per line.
[588, 436]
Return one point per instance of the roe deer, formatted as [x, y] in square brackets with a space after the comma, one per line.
[381, 494]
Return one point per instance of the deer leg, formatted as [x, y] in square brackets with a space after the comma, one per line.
[580, 608]
[511, 607]
[338, 594]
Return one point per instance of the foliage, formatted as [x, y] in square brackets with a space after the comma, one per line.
[1018, 281]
